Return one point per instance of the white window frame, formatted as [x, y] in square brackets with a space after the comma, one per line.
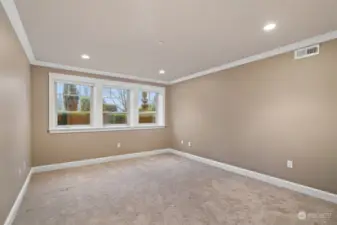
[96, 116]
[149, 112]
[127, 113]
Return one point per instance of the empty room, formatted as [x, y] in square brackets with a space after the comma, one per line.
[152, 112]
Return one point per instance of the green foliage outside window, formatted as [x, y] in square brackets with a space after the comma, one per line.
[118, 119]
[85, 103]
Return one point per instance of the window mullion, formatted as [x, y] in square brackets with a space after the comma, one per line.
[160, 110]
[133, 107]
[97, 110]
[52, 103]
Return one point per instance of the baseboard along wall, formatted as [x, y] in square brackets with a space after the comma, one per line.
[330, 197]
[18, 201]
[327, 196]
[58, 166]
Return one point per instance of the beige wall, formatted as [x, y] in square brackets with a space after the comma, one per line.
[258, 115]
[14, 116]
[56, 148]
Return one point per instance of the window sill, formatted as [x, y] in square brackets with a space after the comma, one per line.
[104, 129]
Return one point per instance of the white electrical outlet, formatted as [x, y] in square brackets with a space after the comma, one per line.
[182, 142]
[189, 144]
[290, 164]
[119, 145]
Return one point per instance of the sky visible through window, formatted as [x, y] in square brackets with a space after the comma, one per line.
[115, 97]
[152, 100]
[111, 96]
[81, 90]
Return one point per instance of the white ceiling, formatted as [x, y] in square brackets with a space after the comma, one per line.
[124, 36]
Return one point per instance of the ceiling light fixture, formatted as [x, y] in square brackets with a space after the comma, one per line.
[161, 71]
[269, 27]
[85, 56]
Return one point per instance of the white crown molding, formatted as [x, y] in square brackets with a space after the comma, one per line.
[288, 48]
[14, 18]
[327, 196]
[97, 72]
[18, 201]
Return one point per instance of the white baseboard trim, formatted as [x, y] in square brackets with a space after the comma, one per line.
[17, 203]
[262, 177]
[248, 173]
[58, 166]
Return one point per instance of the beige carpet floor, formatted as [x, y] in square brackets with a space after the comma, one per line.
[164, 190]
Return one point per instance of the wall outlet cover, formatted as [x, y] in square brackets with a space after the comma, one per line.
[290, 164]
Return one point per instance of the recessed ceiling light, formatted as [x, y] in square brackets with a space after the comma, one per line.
[269, 27]
[161, 71]
[85, 56]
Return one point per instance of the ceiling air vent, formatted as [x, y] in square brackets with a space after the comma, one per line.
[307, 52]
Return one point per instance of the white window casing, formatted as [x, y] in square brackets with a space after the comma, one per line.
[96, 104]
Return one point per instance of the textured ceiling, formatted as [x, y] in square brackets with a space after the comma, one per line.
[137, 37]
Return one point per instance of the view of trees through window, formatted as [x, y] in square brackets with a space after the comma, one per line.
[147, 105]
[87, 104]
[115, 106]
[73, 103]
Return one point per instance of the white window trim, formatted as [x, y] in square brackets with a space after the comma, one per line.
[96, 118]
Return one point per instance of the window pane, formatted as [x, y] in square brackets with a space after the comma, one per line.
[115, 106]
[147, 117]
[147, 105]
[73, 103]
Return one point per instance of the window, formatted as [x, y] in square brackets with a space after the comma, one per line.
[115, 106]
[147, 104]
[82, 104]
[73, 104]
